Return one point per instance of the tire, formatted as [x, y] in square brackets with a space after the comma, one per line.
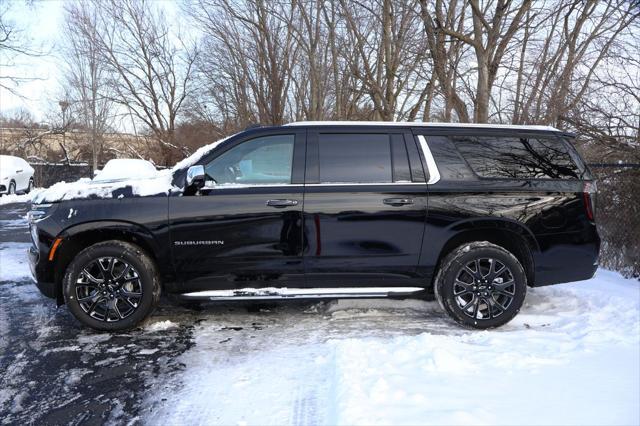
[12, 188]
[29, 187]
[111, 286]
[481, 285]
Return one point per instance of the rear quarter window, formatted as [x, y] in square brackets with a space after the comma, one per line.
[518, 157]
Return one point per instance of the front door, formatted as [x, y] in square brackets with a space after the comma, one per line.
[365, 208]
[244, 229]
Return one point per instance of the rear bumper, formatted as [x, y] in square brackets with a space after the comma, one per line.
[40, 273]
[566, 258]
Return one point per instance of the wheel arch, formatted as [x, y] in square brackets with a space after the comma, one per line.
[81, 236]
[510, 235]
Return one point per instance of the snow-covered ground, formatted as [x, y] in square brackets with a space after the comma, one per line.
[572, 356]
[15, 198]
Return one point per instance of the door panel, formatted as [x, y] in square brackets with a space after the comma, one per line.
[244, 229]
[366, 232]
[231, 238]
[355, 238]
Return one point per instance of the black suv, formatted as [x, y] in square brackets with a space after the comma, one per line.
[474, 213]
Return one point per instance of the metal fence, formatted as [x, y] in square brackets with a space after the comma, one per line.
[46, 174]
[618, 216]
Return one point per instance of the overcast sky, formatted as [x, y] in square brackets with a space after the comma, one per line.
[41, 22]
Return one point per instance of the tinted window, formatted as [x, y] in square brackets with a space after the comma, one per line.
[354, 158]
[517, 158]
[264, 160]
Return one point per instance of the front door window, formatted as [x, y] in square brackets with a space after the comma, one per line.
[266, 160]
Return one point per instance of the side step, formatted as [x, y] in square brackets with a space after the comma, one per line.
[269, 293]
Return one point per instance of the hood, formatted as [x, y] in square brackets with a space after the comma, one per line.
[85, 188]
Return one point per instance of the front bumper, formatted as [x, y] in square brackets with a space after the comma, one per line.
[40, 272]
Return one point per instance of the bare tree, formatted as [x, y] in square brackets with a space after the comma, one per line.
[14, 44]
[86, 77]
[151, 68]
[561, 66]
[490, 32]
[249, 50]
[387, 51]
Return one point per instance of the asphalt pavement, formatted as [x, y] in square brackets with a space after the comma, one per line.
[53, 371]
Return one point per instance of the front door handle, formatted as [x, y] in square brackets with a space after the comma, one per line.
[282, 203]
[398, 201]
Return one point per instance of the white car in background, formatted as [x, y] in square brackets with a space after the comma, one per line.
[16, 175]
[124, 169]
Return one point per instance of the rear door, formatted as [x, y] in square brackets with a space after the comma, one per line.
[365, 207]
[244, 229]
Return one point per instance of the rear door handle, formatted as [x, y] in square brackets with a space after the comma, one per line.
[282, 203]
[398, 201]
[19, 171]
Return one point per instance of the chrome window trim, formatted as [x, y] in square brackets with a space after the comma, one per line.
[434, 173]
[299, 185]
[423, 125]
[364, 183]
[250, 186]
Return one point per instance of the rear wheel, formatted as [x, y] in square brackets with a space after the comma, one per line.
[111, 286]
[30, 187]
[481, 285]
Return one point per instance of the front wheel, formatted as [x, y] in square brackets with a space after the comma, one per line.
[111, 286]
[12, 188]
[481, 285]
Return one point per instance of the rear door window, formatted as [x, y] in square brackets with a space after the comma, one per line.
[517, 157]
[355, 158]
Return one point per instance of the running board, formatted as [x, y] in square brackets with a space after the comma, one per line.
[300, 293]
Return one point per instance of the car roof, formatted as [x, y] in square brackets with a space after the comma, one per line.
[425, 125]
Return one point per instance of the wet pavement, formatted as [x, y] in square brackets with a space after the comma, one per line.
[53, 371]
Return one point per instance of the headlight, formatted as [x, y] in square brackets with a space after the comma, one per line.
[34, 234]
[39, 212]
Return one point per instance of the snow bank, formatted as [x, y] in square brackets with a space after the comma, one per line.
[570, 357]
[13, 198]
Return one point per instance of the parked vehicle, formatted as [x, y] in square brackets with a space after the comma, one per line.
[474, 213]
[16, 175]
[125, 168]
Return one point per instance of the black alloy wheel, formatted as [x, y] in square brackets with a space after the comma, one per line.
[109, 289]
[111, 286]
[484, 288]
[481, 285]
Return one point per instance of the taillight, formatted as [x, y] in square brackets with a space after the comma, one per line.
[589, 198]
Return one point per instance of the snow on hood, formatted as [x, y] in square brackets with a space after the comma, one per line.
[85, 188]
[161, 183]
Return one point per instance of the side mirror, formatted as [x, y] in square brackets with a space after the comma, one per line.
[195, 177]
